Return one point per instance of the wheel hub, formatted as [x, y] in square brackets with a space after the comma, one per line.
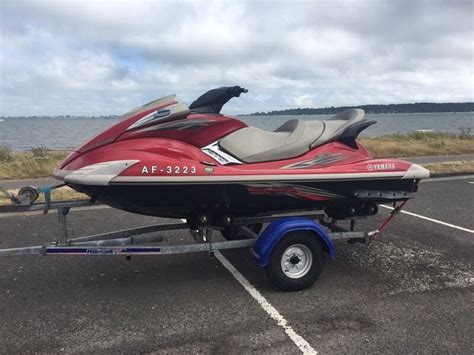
[296, 261]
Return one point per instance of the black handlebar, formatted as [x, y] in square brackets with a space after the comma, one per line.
[213, 100]
[237, 90]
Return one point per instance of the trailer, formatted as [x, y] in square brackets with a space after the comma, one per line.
[291, 248]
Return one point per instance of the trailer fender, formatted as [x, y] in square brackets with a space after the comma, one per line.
[276, 230]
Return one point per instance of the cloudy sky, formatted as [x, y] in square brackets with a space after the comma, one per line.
[105, 57]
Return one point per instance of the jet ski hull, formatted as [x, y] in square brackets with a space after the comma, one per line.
[249, 198]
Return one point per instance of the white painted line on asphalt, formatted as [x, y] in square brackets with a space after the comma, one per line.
[301, 343]
[432, 220]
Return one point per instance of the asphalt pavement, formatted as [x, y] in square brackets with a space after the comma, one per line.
[410, 291]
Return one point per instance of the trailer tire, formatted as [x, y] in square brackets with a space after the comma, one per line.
[30, 193]
[232, 233]
[296, 261]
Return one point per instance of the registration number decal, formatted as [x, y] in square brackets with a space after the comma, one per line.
[169, 169]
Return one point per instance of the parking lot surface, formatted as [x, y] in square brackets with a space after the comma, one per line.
[409, 291]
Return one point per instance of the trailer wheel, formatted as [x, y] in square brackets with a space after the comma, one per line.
[232, 233]
[29, 194]
[296, 261]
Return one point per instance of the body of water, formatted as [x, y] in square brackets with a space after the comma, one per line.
[68, 133]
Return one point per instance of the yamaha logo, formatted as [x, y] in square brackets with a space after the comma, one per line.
[381, 166]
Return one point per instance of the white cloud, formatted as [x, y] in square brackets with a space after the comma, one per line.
[85, 57]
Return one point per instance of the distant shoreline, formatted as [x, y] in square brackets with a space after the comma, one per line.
[419, 107]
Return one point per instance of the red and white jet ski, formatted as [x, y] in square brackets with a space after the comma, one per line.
[170, 160]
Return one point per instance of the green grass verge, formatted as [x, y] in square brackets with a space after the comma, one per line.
[419, 144]
[37, 163]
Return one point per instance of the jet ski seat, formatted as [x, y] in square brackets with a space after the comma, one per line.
[295, 137]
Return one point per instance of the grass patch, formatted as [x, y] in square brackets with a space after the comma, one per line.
[451, 167]
[34, 164]
[6, 153]
[419, 144]
[40, 151]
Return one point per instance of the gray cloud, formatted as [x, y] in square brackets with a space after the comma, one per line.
[105, 57]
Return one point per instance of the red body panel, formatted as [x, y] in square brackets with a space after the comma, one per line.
[213, 127]
[144, 149]
[216, 126]
[111, 134]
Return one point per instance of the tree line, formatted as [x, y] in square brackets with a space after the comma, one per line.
[419, 107]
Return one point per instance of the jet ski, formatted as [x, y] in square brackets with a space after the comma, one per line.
[168, 159]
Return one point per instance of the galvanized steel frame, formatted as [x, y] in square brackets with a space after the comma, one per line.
[130, 242]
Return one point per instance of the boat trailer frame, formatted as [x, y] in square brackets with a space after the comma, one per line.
[145, 240]
[133, 241]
